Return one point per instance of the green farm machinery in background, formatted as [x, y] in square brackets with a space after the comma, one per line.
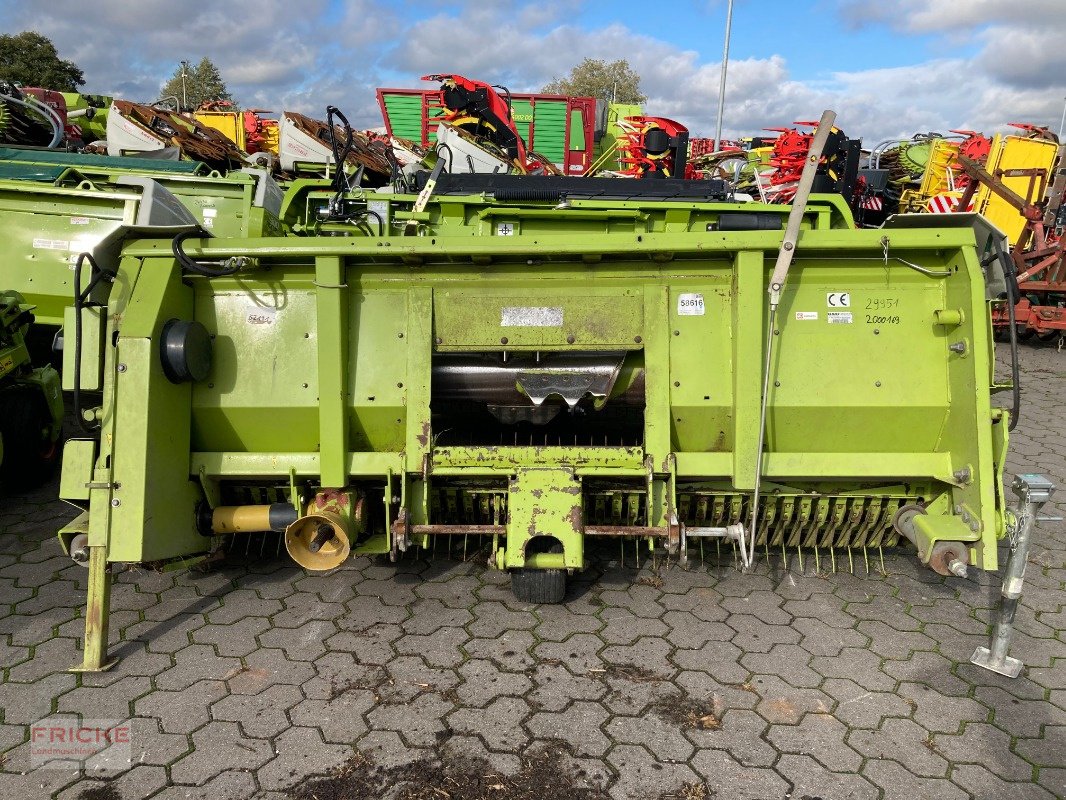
[31, 403]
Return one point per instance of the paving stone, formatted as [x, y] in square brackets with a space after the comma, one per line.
[624, 627]
[820, 736]
[579, 725]
[984, 744]
[219, 745]
[789, 662]
[905, 741]
[640, 774]
[648, 652]
[940, 713]
[728, 778]
[266, 667]
[499, 725]
[1015, 717]
[193, 663]
[339, 719]
[300, 752]
[755, 636]
[1048, 751]
[419, 722]
[782, 704]
[111, 702]
[1054, 780]
[442, 648]
[238, 639]
[373, 645]
[483, 682]
[492, 619]
[302, 643]
[982, 783]
[810, 779]
[665, 741]
[722, 660]
[898, 783]
[857, 707]
[182, 711]
[554, 687]
[24, 703]
[142, 781]
[558, 623]
[262, 715]
[237, 604]
[511, 651]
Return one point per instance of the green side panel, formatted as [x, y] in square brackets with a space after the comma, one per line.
[122, 164]
[522, 114]
[31, 172]
[577, 129]
[549, 123]
[152, 496]
[42, 227]
[405, 115]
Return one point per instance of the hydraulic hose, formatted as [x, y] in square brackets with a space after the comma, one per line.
[340, 154]
[1013, 295]
[80, 298]
[208, 269]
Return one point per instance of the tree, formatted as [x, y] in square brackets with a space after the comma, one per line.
[202, 82]
[32, 60]
[613, 81]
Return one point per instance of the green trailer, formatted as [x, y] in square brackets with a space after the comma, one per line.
[539, 369]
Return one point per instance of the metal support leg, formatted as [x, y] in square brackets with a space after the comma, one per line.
[97, 611]
[1033, 491]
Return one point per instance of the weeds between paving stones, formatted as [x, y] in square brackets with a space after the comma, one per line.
[543, 776]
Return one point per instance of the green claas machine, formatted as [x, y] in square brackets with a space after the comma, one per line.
[31, 404]
[540, 362]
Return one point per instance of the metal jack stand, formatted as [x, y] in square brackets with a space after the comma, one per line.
[1033, 491]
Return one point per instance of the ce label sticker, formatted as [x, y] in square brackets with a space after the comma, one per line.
[838, 299]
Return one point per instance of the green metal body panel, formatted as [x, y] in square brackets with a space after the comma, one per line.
[44, 226]
[324, 354]
[109, 164]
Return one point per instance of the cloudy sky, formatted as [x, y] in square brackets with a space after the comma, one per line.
[888, 67]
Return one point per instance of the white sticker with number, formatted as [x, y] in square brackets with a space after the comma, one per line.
[262, 315]
[690, 304]
[838, 317]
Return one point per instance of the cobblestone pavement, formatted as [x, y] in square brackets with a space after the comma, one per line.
[241, 681]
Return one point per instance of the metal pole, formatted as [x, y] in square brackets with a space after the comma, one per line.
[1062, 123]
[721, 84]
[184, 95]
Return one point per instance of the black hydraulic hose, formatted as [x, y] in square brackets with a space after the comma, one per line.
[208, 269]
[380, 221]
[1013, 295]
[450, 156]
[80, 298]
[340, 154]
